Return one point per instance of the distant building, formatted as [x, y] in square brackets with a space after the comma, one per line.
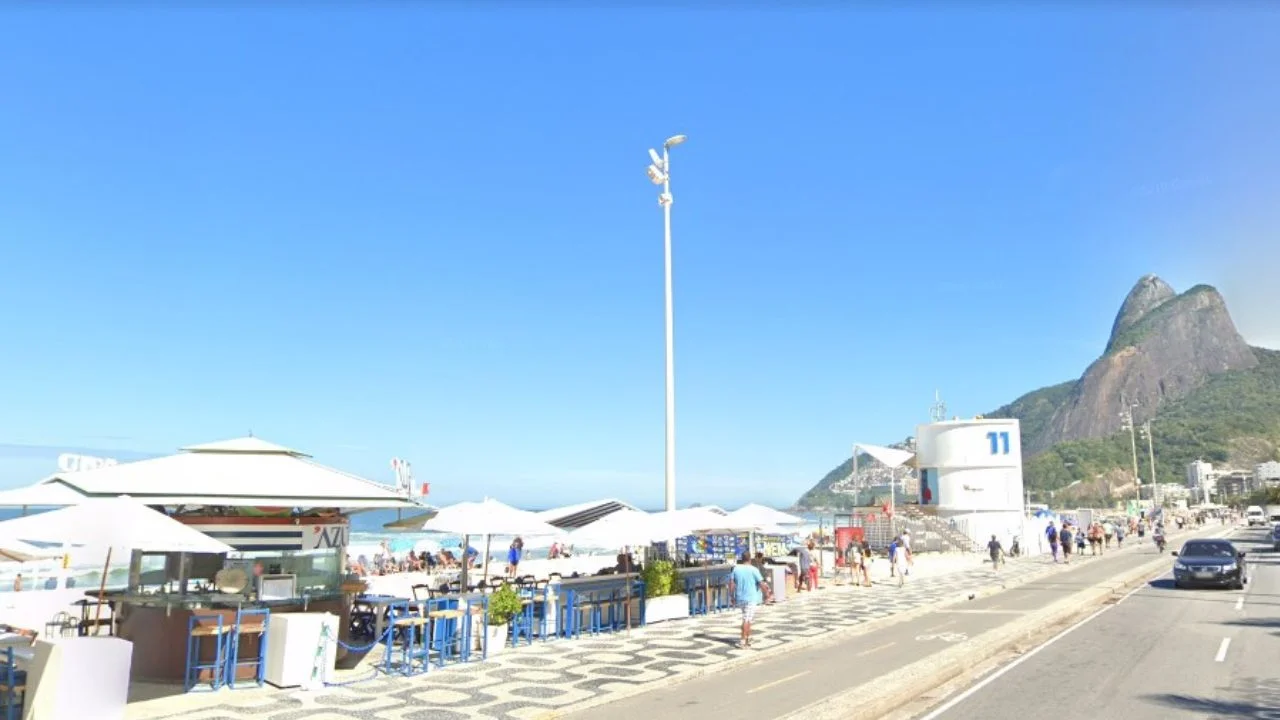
[1236, 483]
[1202, 480]
[1266, 474]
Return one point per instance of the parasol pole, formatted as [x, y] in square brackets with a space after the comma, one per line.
[627, 579]
[487, 540]
[466, 561]
[102, 592]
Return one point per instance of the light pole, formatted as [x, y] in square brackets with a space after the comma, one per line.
[660, 174]
[1151, 454]
[1126, 418]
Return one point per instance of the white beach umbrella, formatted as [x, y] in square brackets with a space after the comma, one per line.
[626, 527]
[488, 518]
[762, 516]
[18, 551]
[119, 523]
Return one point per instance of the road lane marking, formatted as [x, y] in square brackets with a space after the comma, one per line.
[946, 637]
[1240, 603]
[990, 611]
[939, 627]
[876, 649]
[1222, 650]
[947, 706]
[775, 683]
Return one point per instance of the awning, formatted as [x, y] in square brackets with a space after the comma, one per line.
[890, 457]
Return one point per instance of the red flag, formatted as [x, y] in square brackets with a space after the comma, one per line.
[426, 488]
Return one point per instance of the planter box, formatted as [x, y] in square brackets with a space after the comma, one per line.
[497, 638]
[667, 607]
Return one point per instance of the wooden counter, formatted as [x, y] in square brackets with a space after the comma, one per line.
[157, 627]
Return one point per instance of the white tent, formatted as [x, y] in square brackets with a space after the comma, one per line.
[626, 527]
[761, 516]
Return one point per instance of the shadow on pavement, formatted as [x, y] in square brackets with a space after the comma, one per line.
[1216, 708]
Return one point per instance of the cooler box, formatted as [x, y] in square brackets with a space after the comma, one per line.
[301, 649]
[76, 678]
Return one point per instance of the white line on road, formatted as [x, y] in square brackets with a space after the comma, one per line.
[775, 683]
[1222, 650]
[876, 649]
[1023, 658]
[1240, 603]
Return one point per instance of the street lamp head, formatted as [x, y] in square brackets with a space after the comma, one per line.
[674, 140]
[656, 158]
[656, 176]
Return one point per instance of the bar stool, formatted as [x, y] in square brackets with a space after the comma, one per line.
[395, 611]
[448, 633]
[13, 685]
[199, 627]
[413, 647]
[248, 622]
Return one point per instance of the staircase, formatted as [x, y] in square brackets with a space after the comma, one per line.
[932, 525]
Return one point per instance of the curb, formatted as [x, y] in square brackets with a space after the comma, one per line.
[871, 700]
[833, 636]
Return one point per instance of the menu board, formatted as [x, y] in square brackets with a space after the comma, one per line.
[715, 547]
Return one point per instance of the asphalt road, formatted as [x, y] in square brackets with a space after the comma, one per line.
[1159, 653]
[782, 683]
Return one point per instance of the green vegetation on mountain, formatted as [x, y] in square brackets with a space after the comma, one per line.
[1036, 408]
[1203, 425]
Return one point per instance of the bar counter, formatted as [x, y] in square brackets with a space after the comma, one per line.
[157, 625]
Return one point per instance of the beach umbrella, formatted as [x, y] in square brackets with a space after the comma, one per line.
[18, 551]
[116, 524]
[487, 518]
[760, 515]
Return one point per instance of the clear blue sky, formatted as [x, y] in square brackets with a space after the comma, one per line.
[428, 233]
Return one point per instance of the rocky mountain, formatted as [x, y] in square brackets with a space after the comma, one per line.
[1179, 360]
[1163, 346]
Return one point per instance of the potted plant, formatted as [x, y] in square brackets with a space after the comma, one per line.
[504, 603]
[665, 598]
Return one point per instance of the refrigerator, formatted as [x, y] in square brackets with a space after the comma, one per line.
[301, 649]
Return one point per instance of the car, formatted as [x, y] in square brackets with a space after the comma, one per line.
[1209, 563]
[1254, 515]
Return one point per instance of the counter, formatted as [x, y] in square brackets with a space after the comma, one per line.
[157, 627]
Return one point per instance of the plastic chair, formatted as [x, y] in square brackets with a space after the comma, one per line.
[248, 622]
[199, 627]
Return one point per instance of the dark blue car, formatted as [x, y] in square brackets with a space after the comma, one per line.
[1209, 563]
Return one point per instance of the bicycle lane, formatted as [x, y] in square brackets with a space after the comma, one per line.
[778, 685]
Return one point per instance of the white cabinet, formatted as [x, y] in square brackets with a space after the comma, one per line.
[301, 649]
[777, 579]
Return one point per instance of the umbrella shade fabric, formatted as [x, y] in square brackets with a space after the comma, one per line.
[693, 521]
[762, 516]
[120, 523]
[44, 495]
[488, 517]
[18, 551]
[627, 527]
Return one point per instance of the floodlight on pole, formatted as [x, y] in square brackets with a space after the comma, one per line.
[660, 174]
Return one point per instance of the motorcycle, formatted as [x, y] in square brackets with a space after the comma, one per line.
[1159, 543]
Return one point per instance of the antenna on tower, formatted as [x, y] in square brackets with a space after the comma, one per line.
[938, 412]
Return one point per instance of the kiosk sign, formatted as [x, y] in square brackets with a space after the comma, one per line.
[71, 462]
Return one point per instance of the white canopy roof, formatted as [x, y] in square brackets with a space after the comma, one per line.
[40, 495]
[244, 472]
[762, 516]
[120, 523]
[891, 457]
[488, 517]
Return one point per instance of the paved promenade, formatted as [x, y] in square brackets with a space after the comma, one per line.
[536, 681]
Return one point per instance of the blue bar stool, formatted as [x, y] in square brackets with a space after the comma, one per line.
[448, 631]
[13, 683]
[248, 622]
[414, 650]
[199, 627]
[395, 611]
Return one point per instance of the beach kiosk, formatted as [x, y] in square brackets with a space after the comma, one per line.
[287, 519]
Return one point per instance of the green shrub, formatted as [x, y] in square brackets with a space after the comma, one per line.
[660, 578]
[504, 603]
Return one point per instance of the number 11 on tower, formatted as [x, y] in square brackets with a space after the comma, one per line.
[999, 440]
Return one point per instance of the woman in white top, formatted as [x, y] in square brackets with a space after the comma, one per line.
[899, 561]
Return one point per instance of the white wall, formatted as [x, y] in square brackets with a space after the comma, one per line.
[978, 465]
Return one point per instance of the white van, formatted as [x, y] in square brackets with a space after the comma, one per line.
[1255, 516]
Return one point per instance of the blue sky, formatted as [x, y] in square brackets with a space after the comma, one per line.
[417, 231]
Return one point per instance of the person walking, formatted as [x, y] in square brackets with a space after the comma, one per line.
[997, 553]
[1051, 533]
[900, 561]
[746, 584]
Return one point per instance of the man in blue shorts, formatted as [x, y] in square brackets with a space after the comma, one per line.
[745, 583]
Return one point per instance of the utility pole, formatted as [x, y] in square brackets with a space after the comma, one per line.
[1151, 454]
[1126, 419]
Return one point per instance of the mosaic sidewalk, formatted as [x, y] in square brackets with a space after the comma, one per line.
[532, 681]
